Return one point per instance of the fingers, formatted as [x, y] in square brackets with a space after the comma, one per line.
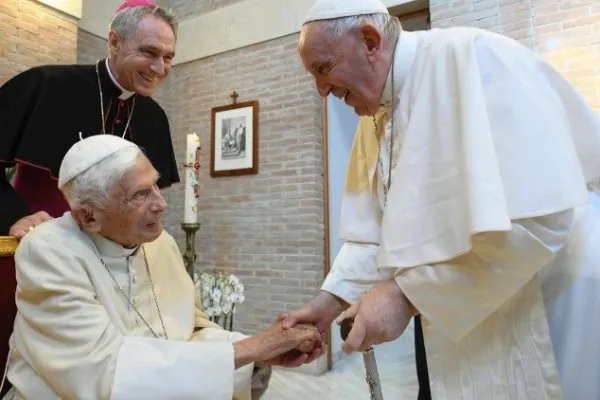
[26, 224]
[351, 312]
[356, 337]
[288, 322]
[43, 216]
[294, 359]
[312, 356]
[17, 232]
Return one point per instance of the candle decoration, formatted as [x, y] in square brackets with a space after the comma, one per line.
[190, 223]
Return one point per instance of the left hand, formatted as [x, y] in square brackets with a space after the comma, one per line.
[381, 315]
[307, 348]
[294, 358]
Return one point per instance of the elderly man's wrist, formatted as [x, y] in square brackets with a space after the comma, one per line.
[410, 307]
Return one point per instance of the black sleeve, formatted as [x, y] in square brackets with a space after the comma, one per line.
[18, 98]
[173, 173]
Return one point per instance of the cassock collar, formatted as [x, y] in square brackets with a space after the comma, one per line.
[406, 51]
[124, 94]
[109, 248]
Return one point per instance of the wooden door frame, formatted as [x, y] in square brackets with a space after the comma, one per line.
[326, 239]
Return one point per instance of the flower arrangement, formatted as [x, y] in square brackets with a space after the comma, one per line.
[220, 292]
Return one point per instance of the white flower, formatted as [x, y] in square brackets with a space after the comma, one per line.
[220, 292]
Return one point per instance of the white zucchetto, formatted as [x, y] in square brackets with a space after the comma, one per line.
[88, 152]
[330, 9]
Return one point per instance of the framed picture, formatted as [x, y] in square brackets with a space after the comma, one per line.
[234, 139]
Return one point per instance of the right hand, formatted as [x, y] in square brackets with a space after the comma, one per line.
[276, 341]
[25, 224]
[321, 311]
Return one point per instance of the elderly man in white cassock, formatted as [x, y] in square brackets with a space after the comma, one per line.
[468, 202]
[106, 309]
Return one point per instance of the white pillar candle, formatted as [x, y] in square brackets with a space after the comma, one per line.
[191, 179]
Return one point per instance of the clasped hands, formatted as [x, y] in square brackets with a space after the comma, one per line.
[381, 315]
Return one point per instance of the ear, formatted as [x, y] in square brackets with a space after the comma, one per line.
[372, 40]
[114, 42]
[88, 217]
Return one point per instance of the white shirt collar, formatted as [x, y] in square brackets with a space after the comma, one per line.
[125, 94]
[406, 51]
[107, 247]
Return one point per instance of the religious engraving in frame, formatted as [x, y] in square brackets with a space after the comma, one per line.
[234, 139]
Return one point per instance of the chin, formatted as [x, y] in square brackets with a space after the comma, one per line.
[145, 88]
[152, 233]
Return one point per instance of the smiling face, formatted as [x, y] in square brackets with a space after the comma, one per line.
[133, 215]
[353, 67]
[142, 61]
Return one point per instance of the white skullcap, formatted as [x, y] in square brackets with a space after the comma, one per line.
[329, 9]
[87, 153]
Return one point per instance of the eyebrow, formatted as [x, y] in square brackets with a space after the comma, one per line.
[154, 49]
[321, 67]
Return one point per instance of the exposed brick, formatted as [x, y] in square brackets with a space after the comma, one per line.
[267, 228]
[29, 36]
[566, 32]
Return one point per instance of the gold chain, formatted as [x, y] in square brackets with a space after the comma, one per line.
[128, 298]
[387, 184]
[102, 105]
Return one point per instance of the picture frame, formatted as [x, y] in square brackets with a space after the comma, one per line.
[234, 139]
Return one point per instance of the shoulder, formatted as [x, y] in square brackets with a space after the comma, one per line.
[61, 72]
[49, 74]
[45, 234]
[461, 40]
[54, 247]
[153, 106]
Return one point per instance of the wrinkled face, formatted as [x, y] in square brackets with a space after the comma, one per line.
[133, 215]
[351, 68]
[143, 61]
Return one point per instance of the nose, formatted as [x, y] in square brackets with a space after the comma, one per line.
[159, 204]
[158, 66]
[324, 89]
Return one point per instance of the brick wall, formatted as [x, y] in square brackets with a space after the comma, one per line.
[33, 34]
[266, 228]
[186, 8]
[566, 32]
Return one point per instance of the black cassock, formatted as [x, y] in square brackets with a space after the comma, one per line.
[44, 110]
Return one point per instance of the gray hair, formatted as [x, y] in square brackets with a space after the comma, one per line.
[337, 28]
[96, 185]
[126, 21]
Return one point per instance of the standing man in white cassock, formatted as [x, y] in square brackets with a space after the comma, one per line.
[468, 202]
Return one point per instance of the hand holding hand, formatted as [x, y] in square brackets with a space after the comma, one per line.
[381, 315]
[283, 347]
[320, 311]
[25, 224]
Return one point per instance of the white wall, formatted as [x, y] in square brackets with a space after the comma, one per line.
[70, 7]
[341, 125]
[97, 15]
[238, 25]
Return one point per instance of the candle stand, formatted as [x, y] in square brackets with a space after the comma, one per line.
[189, 256]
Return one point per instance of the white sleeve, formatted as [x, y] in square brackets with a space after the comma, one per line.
[354, 271]
[457, 295]
[149, 368]
[69, 339]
